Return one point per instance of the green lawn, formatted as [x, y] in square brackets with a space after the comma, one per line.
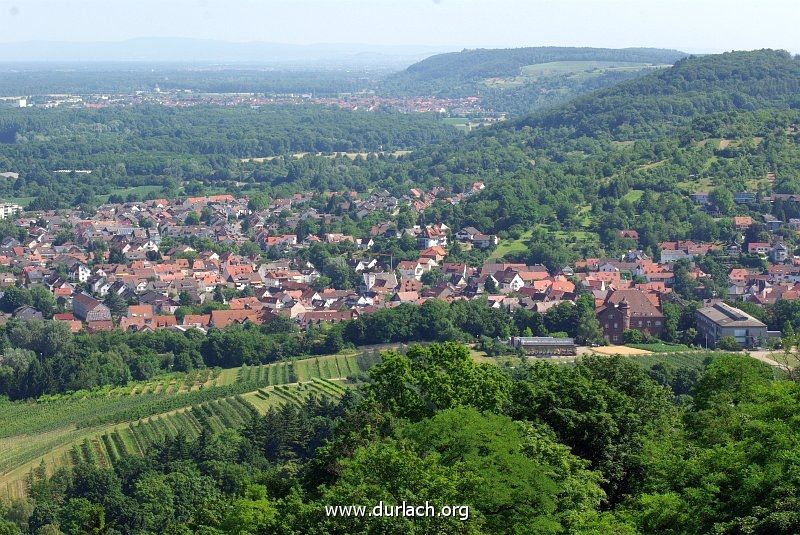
[461, 123]
[22, 201]
[696, 185]
[512, 246]
[633, 195]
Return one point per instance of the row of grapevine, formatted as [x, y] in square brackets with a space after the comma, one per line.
[138, 437]
[326, 367]
[296, 394]
[94, 426]
[167, 383]
[268, 374]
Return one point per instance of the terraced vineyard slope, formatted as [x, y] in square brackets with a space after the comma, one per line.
[100, 426]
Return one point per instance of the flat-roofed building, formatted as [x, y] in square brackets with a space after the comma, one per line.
[8, 209]
[718, 320]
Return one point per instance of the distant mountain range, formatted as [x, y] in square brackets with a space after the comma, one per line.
[187, 50]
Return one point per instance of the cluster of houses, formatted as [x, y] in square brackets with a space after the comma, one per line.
[360, 100]
[121, 251]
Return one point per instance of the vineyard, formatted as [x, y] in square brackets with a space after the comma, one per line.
[102, 425]
[327, 367]
[264, 398]
[696, 360]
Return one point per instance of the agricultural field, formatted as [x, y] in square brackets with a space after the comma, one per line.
[104, 424]
[264, 398]
[574, 70]
[460, 123]
[554, 68]
[685, 359]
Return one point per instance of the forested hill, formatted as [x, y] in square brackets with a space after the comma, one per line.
[520, 80]
[659, 102]
[565, 173]
[482, 63]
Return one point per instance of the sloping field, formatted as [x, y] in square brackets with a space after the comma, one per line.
[101, 425]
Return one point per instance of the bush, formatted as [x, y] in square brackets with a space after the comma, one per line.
[728, 343]
[632, 336]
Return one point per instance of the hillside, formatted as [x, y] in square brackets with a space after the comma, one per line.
[626, 157]
[694, 86]
[524, 79]
[101, 426]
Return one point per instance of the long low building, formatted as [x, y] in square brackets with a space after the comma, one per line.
[719, 320]
[544, 346]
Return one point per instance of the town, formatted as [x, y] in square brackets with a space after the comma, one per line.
[363, 100]
[213, 261]
[537, 289]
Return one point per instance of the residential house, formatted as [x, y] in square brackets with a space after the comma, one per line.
[759, 248]
[411, 269]
[87, 308]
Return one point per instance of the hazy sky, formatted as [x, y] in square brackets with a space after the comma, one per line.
[690, 25]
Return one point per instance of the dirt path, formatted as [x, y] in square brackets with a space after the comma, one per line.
[773, 358]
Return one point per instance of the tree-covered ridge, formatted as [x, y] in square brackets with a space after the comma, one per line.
[471, 65]
[629, 156]
[656, 104]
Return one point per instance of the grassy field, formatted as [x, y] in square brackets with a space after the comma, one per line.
[553, 68]
[575, 70]
[480, 357]
[460, 123]
[105, 423]
[696, 185]
[512, 246]
[633, 195]
[575, 238]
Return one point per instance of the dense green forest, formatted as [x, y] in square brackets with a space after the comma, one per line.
[604, 446]
[155, 145]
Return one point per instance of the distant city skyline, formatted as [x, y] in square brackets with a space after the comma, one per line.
[695, 26]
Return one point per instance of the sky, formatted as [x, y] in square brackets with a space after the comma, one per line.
[695, 26]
